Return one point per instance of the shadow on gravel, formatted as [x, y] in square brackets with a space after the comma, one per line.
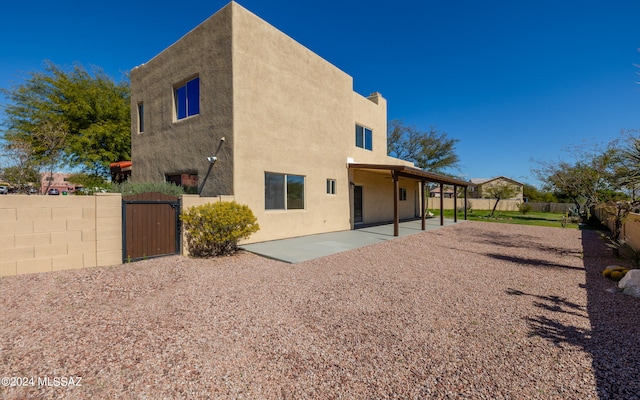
[518, 242]
[551, 329]
[615, 325]
[614, 338]
[552, 303]
[530, 261]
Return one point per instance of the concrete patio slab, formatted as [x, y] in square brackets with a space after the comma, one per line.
[299, 249]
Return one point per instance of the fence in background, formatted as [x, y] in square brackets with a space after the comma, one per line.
[551, 207]
[503, 205]
[630, 231]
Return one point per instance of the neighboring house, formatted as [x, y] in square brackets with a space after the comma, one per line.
[58, 181]
[447, 192]
[293, 141]
[481, 186]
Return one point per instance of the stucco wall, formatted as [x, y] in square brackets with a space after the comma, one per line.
[168, 146]
[295, 113]
[282, 108]
[50, 233]
[631, 230]
[377, 196]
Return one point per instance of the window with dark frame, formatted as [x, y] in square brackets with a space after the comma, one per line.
[188, 181]
[402, 194]
[364, 137]
[283, 192]
[140, 117]
[331, 186]
[187, 99]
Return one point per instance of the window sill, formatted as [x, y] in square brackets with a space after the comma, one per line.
[176, 121]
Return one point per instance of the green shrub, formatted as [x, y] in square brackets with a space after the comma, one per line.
[214, 228]
[129, 188]
[524, 208]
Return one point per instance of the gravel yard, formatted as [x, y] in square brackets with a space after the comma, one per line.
[476, 310]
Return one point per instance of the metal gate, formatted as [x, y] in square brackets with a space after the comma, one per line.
[150, 226]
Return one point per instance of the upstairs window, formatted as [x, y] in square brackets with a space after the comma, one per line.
[187, 98]
[140, 117]
[364, 137]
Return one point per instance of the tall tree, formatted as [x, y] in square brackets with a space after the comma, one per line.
[583, 181]
[52, 136]
[534, 194]
[430, 150]
[499, 191]
[93, 109]
[22, 172]
[627, 168]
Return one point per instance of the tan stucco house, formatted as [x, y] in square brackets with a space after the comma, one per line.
[304, 151]
[481, 185]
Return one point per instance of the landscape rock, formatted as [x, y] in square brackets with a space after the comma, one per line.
[632, 291]
[630, 283]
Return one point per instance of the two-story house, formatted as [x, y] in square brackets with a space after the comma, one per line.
[304, 151]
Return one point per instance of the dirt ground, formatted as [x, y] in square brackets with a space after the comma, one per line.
[476, 310]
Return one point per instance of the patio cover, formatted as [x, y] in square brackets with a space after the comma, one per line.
[418, 174]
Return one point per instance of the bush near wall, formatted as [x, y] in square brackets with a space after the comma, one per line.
[215, 228]
[130, 188]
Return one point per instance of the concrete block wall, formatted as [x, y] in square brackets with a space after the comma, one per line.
[51, 233]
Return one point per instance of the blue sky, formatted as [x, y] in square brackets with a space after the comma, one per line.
[514, 81]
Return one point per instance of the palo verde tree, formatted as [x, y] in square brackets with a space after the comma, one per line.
[498, 191]
[430, 150]
[88, 109]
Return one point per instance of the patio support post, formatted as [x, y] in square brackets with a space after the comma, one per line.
[441, 204]
[423, 205]
[465, 203]
[455, 203]
[396, 193]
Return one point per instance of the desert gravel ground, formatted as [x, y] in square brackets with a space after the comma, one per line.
[476, 310]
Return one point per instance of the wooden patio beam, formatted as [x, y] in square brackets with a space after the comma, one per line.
[455, 203]
[441, 204]
[465, 203]
[396, 195]
[423, 201]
